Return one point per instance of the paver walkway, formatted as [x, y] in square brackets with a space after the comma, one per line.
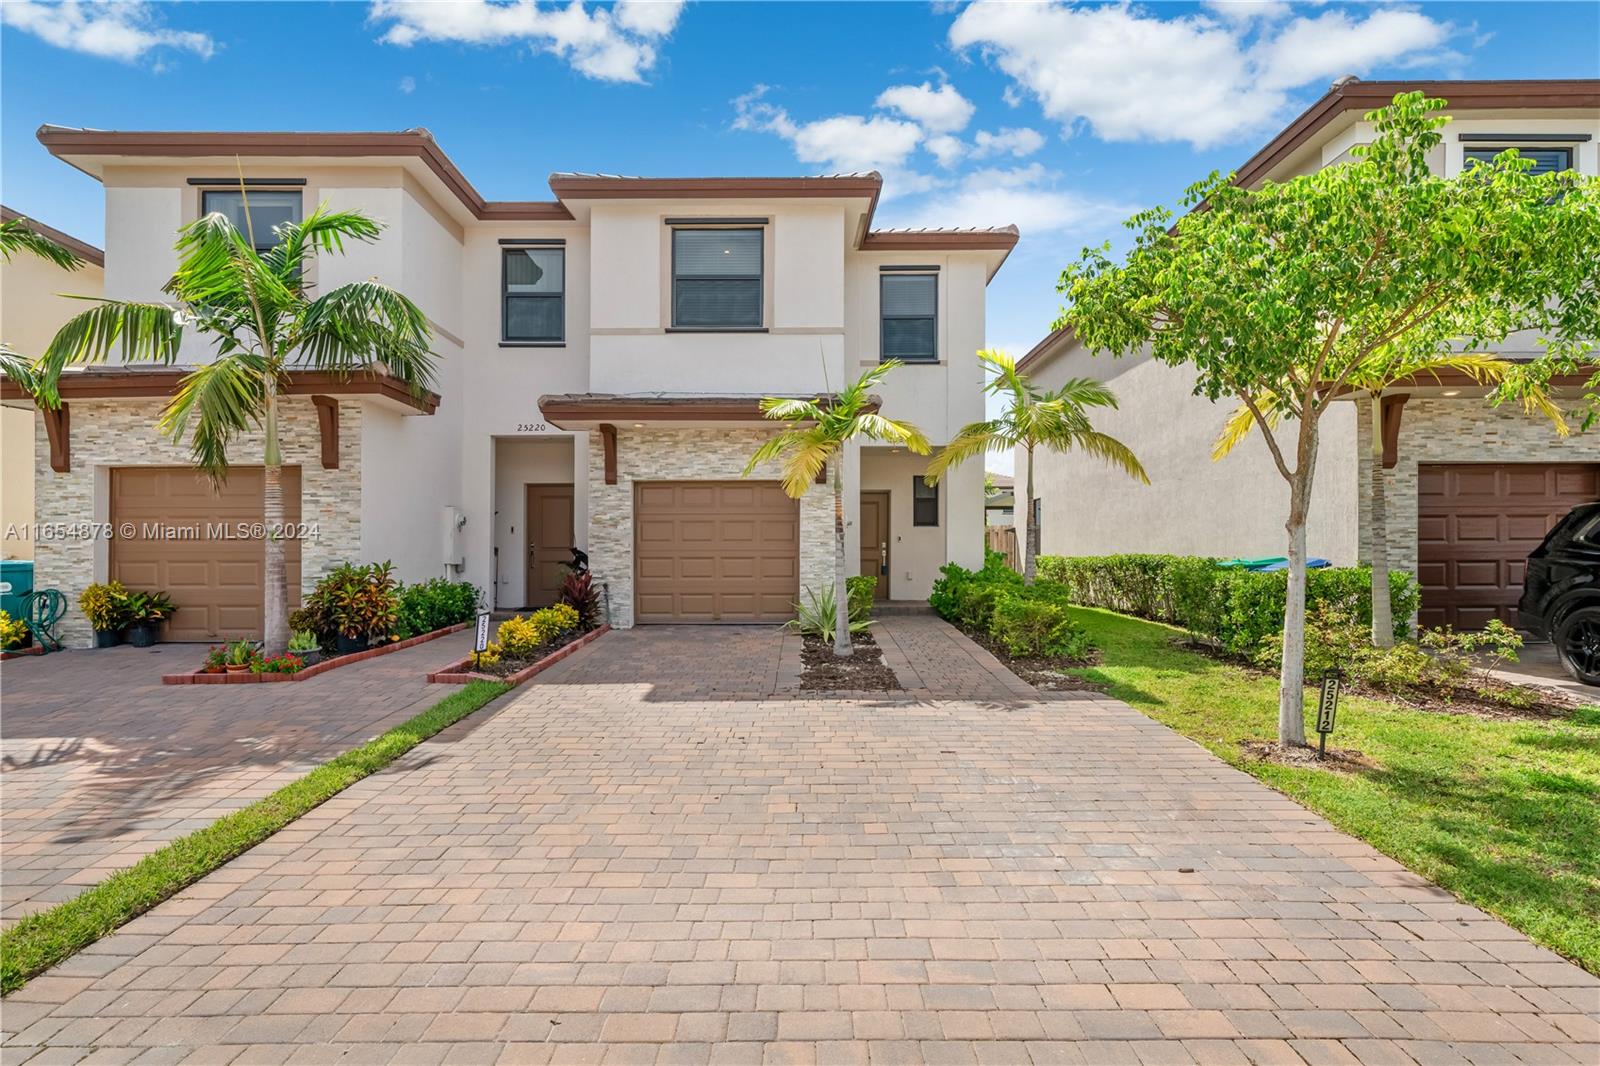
[620, 869]
[100, 763]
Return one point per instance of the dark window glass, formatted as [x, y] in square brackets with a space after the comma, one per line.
[534, 285]
[924, 502]
[909, 304]
[1545, 160]
[716, 278]
[1036, 521]
[268, 210]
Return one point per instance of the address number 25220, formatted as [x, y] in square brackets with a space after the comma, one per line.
[532, 427]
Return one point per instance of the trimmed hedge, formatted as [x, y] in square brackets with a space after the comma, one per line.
[1236, 608]
[1026, 621]
[859, 593]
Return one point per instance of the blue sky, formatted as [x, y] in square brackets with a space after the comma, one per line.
[1062, 118]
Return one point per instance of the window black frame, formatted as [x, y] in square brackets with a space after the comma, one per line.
[506, 251]
[760, 279]
[299, 215]
[883, 318]
[1477, 152]
[920, 495]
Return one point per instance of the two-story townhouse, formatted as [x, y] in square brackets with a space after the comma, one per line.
[1470, 488]
[31, 310]
[601, 356]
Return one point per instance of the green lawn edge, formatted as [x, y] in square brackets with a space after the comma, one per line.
[42, 940]
[1501, 813]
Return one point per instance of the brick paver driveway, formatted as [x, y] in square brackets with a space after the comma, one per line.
[100, 763]
[614, 868]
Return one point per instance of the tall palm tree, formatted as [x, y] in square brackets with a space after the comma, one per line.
[1056, 421]
[818, 432]
[264, 324]
[1370, 379]
[17, 236]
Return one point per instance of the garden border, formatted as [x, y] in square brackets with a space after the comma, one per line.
[18, 653]
[457, 673]
[201, 677]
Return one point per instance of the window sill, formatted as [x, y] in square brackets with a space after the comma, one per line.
[905, 362]
[533, 344]
[716, 329]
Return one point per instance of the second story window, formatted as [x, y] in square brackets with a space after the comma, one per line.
[909, 304]
[716, 278]
[269, 208]
[533, 295]
[1545, 160]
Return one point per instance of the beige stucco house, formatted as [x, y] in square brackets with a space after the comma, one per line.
[601, 356]
[1471, 488]
[31, 310]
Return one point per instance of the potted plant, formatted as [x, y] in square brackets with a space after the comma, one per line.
[238, 657]
[305, 645]
[105, 605]
[216, 661]
[359, 603]
[145, 613]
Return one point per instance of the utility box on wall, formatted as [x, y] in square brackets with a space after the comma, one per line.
[454, 520]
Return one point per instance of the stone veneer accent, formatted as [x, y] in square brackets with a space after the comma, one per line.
[685, 455]
[1439, 430]
[107, 433]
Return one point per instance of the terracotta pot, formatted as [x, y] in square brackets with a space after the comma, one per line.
[238, 668]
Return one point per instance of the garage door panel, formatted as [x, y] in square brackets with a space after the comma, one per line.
[716, 552]
[1476, 524]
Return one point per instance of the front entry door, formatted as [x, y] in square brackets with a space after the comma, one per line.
[875, 540]
[549, 529]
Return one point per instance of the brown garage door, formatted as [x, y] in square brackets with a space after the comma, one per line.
[179, 544]
[1476, 524]
[715, 551]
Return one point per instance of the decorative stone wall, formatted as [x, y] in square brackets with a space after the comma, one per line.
[107, 433]
[685, 455]
[1439, 430]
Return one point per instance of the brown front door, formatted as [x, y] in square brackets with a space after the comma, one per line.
[177, 534]
[549, 529]
[715, 551]
[875, 540]
[1476, 524]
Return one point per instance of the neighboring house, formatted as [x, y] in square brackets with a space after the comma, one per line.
[999, 501]
[1472, 488]
[601, 357]
[30, 313]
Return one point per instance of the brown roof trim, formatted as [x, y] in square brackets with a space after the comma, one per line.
[585, 407]
[118, 383]
[1002, 240]
[82, 249]
[1358, 95]
[613, 187]
[416, 143]
[1038, 351]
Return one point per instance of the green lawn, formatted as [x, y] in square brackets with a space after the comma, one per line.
[1504, 813]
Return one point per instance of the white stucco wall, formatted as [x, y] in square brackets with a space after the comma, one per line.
[518, 463]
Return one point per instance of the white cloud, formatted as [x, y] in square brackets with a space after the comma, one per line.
[1018, 141]
[408, 85]
[124, 31]
[848, 143]
[607, 44]
[1243, 11]
[1132, 75]
[1029, 197]
[946, 148]
[941, 110]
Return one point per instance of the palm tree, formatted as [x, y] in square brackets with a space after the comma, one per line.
[257, 310]
[1370, 379]
[16, 236]
[818, 432]
[1057, 421]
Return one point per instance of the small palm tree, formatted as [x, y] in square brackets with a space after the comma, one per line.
[1384, 370]
[818, 432]
[264, 324]
[16, 236]
[1057, 421]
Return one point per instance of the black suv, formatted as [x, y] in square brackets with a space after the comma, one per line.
[1561, 594]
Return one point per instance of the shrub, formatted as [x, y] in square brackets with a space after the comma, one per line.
[579, 593]
[859, 593]
[956, 595]
[490, 655]
[353, 601]
[13, 631]
[278, 664]
[517, 638]
[105, 604]
[435, 604]
[147, 608]
[522, 638]
[1037, 627]
[303, 641]
[818, 613]
[1236, 608]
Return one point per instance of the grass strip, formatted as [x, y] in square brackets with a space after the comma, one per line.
[41, 940]
[1503, 812]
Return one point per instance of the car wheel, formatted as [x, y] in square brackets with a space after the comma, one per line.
[1577, 641]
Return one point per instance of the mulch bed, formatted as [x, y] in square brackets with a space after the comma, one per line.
[321, 666]
[863, 671]
[1347, 760]
[508, 666]
[516, 671]
[1046, 674]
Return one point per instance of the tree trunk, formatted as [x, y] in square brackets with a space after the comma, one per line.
[1292, 677]
[275, 628]
[1382, 613]
[841, 592]
[1030, 547]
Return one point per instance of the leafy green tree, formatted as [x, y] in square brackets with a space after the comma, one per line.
[1056, 421]
[817, 433]
[17, 236]
[264, 324]
[1279, 296]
